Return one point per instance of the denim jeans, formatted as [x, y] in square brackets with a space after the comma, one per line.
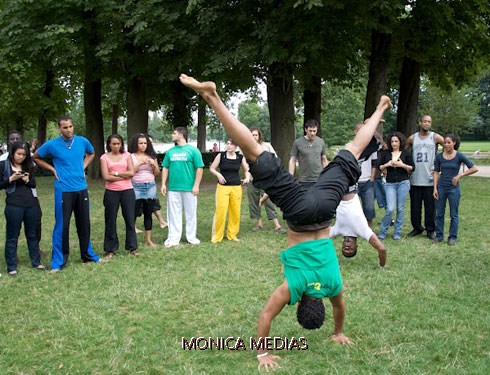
[365, 190]
[15, 216]
[396, 195]
[379, 192]
[453, 195]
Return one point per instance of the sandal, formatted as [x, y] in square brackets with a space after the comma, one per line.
[257, 228]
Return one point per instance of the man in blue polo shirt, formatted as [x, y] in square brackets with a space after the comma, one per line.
[70, 155]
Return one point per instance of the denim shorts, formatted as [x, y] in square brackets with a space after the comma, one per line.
[146, 190]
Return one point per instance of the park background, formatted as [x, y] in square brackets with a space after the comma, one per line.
[113, 65]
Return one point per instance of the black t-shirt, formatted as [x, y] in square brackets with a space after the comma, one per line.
[230, 169]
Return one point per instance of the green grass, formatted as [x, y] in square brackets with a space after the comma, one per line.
[427, 313]
[472, 146]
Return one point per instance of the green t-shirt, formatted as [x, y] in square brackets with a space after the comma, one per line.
[312, 268]
[182, 163]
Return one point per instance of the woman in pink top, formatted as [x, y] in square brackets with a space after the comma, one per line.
[145, 169]
[117, 169]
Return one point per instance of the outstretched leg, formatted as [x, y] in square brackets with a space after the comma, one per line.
[236, 130]
[366, 132]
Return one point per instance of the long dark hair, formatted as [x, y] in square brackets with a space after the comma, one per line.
[133, 145]
[27, 163]
[401, 138]
[108, 143]
[455, 139]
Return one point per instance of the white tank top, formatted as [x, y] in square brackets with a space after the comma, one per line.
[423, 153]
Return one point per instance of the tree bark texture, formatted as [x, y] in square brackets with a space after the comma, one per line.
[179, 114]
[281, 108]
[201, 125]
[42, 121]
[378, 72]
[312, 99]
[409, 96]
[136, 107]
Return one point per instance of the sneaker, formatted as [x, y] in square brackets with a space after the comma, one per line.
[194, 241]
[431, 235]
[396, 238]
[280, 230]
[257, 228]
[381, 237]
[169, 244]
[414, 233]
[392, 223]
[436, 240]
[451, 242]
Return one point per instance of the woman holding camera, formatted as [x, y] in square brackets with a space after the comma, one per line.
[21, 205]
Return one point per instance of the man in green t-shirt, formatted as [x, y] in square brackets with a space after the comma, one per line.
[310, 264]
[183, 166]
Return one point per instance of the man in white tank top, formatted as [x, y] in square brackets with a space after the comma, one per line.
[424, 145]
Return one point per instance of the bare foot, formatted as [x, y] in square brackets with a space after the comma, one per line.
[203, 88]
[385, 102]
[138, 230]
[150, 243]
[54, 270]
[163, 224]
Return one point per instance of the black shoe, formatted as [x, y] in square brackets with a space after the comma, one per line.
[392, 223]
[414, 233]
[431, 235]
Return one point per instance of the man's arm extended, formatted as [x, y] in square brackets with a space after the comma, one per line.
[338, 310]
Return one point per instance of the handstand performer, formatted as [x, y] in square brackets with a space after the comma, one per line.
[351, 223]
[311, 266]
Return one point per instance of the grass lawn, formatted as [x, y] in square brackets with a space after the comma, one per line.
[427, 313]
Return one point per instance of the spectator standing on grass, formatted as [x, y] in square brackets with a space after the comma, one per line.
[309, 151]
[396, 164]
[228, 192]
[21, 205]
[446, 186]
[183, 167]
[254, 194]
[145, 188]
[424, 145]
[70, 155]
[117, 169]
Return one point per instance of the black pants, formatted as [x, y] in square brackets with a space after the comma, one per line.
[419, 194]
[301, 206]
[112, 201]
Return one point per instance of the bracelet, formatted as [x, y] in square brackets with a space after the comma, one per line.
[262, 355]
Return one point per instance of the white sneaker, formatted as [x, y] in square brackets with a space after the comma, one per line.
[195, 241]
[169, 244]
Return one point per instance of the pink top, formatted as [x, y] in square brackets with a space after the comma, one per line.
[144, 173]
[118, 166]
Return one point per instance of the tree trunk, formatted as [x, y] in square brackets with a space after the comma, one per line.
[179, 114]
[378, 72]
[42, 121]
[136, 107]
[201, 125]
[409, 96]
[115, 118]
[281, 108]
[312, 99]
[92, 93]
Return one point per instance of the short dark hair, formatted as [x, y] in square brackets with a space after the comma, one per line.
[108, 143]
[455, 139]
[354, 250]
[182, 130]
[63, 118]
[311, 312]
[312, 123]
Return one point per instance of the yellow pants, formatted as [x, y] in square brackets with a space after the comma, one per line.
[228, 201]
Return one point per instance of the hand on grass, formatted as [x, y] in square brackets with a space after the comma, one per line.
[268, 362]
[341, 339]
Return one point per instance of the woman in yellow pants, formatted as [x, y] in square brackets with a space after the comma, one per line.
[228, 192]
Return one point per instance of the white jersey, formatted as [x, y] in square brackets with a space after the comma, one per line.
[350, 220]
